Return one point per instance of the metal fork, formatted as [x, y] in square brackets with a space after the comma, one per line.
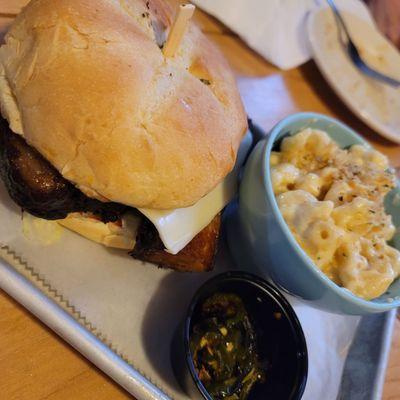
[355, 54]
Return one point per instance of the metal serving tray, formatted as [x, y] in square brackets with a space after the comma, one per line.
[145, 378]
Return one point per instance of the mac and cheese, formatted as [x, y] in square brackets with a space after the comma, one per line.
[332, 200]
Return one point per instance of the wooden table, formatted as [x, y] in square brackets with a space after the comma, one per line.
[35, 364]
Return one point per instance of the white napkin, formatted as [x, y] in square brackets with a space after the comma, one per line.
[328, 337]
[274, 28]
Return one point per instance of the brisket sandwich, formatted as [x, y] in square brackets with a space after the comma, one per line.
[116, 142]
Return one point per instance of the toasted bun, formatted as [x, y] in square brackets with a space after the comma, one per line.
[121, 235]
[88, 86]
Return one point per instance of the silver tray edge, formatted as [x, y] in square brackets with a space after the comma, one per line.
[51, 314]
[385, 352]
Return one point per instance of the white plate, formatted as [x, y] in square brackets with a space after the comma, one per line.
[377, 104]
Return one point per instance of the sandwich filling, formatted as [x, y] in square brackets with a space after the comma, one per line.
[191, 233]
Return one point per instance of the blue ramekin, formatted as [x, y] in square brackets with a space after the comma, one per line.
[260, 239]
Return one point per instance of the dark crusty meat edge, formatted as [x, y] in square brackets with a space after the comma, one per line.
[197, 256]
[37, 187]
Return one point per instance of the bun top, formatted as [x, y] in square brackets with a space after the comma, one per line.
[86, 83]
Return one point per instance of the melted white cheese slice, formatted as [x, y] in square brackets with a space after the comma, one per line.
[178, 227]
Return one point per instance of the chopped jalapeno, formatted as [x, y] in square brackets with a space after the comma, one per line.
[223, 345]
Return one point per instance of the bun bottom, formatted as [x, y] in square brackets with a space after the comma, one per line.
[120, 235]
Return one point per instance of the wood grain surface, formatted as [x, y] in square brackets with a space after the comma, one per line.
[35, 364]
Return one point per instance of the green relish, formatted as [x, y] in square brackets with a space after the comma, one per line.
[224, 348]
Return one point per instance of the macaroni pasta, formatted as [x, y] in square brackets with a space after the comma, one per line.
[332, 200]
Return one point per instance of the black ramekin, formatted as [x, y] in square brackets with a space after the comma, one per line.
[280, 338]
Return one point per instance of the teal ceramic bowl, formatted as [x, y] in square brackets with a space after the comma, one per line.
[260, 240]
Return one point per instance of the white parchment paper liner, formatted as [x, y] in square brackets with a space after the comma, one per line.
[135, 307]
